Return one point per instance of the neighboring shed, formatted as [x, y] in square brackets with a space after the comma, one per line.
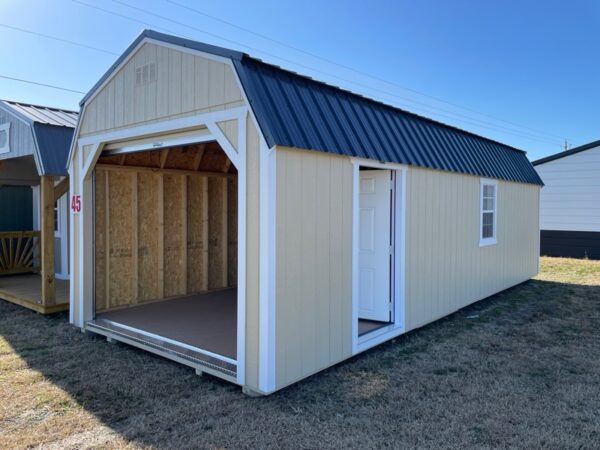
[34, 146]
[262, 226]
[570, 202]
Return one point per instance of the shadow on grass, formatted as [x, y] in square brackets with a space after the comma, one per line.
[466, 380]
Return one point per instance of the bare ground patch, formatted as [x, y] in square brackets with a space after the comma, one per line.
[517, 370]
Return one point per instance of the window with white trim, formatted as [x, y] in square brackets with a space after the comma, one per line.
[4, 137]
[487, 217]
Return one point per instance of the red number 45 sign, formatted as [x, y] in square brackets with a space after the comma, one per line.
[76, 203]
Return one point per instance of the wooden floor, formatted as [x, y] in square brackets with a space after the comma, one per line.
[26, 290]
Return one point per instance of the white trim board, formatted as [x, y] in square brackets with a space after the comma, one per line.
[238, 158]
[267, 242]
[158, 337]
[483, 242]
[397, 327]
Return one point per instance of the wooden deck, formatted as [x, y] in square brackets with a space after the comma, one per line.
[26, 290]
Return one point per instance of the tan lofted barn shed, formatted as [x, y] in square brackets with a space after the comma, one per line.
[261, 226]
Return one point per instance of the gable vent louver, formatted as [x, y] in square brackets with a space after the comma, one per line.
[145, 74]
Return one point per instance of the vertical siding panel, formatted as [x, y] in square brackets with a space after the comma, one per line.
[323, 298]
[232, 92]
[151, 89]
[188, 84]
[201, 84]
[283, 238]
[184, 84]
[295, 351]
[459, 270]
[89, 123]
[20, 135]
[162, 80]
[139, 90]
[307, 233]
[174, 82]
[428, 304]
[314, 299]
[118, 108]
[128, 92]
[101, 110]
[216, 94]
[347, 257]
[336, 269]
[109, 111]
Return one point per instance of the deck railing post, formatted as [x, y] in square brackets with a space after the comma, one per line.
[47, 238]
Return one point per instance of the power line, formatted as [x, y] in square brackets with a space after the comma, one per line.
[41, 84]
[468, 120]
[47, 36]
[344, 66]
[123, 16]
[160, 16]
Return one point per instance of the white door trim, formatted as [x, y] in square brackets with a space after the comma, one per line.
[362, 343]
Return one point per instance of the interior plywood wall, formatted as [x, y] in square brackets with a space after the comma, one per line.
[161, 234]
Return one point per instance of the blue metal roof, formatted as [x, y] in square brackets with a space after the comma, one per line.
[297, 111]
[52, 130]
[54, 143]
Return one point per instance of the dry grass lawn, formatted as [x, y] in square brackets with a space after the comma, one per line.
[520, 370]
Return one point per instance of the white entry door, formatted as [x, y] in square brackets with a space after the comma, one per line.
[374, 245]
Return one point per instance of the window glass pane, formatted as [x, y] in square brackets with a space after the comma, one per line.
[487, 230]
[488, 204]
[488, 218]
[488, 190]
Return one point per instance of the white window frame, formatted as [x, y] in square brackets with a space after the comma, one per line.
[6, 128]
[493, 239]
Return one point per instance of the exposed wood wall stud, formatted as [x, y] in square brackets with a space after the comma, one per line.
[161, 236]
[134, 236]
[107, 237]
[184, 235]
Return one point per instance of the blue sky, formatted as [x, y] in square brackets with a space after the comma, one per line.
[521, 72]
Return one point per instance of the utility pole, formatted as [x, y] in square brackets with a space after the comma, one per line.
[566, 145]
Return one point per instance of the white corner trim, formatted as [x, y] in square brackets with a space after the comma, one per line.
[362, 343]
[355, 251]
[484, 242]
[267, 244]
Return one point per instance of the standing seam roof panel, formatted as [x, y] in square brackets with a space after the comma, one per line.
[359, 132]
[299, 112]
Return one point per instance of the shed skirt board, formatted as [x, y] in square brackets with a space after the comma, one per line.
[206, 321]
[26, 290]
[570, 244]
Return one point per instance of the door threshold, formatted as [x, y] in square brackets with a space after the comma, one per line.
[200, 359]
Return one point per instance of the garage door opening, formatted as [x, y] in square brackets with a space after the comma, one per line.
[166, 252]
